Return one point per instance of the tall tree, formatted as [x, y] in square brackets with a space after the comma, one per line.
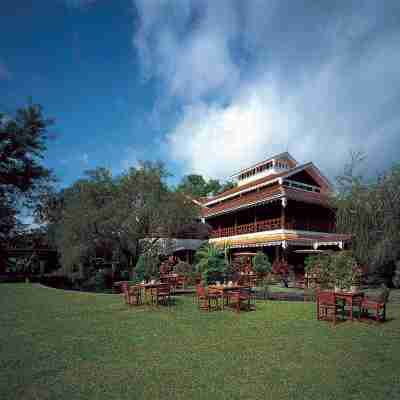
[370, 212]
[23, 178]
[193, 185]
[120, 212]
[197, 186]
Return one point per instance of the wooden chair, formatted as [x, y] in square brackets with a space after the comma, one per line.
[164, 279]
[162, 294]
[217, 296]
[299, 281]
[327, 306]
[125, 292]
[135, 295]
[173, 281]
[132, 294]
[377, 306]
[252, 292]
[204, 299]
[241, 297]
[180, 282]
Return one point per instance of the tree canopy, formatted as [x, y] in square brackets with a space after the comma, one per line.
[261, 263]
[23, 178]
[211, 262]
[116, 213]
[197, 186]
[370, 212]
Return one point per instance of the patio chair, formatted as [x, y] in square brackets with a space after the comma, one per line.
[252, 292]
[241, 297]
[164, 279]
[204, 299]
[377, 307]
[162, 294]
[328, 307]
[299, 281]
[135, 295]
[217, 296]
[131, 294]
[181, 282]
[125, 292]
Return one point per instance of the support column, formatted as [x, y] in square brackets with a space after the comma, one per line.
[277, 255]
[283, 216]
[284, 251]
[42, 265]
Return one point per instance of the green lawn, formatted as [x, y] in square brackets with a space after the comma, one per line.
[69, 345]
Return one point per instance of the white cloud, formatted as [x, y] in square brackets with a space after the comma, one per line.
[262, 77]
[172, 49]
[326, 115]
[216, 140]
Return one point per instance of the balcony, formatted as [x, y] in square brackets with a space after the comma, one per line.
[259, 226]
[272, 224]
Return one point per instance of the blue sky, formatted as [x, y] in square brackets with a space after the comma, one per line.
[206, 86]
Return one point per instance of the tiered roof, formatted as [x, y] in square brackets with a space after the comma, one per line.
[255, 197]
[270, 188]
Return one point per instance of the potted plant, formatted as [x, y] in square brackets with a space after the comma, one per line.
[185, 272]
[147, 267]
[344, 270]
[262, 266]
[281, 269]
[356, 278]
[210, 263]
[318, 270]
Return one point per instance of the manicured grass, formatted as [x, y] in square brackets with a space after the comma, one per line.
[69, 345]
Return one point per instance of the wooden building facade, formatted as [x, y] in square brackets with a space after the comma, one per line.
[278, 206]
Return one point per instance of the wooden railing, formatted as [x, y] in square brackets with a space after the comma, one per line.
[271, 224]
[259, 226]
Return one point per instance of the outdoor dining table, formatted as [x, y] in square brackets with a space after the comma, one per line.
[350, 298]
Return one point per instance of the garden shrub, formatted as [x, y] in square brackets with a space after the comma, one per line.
[211, 263]
[337, 269]
[147, 267]
[261, 263]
